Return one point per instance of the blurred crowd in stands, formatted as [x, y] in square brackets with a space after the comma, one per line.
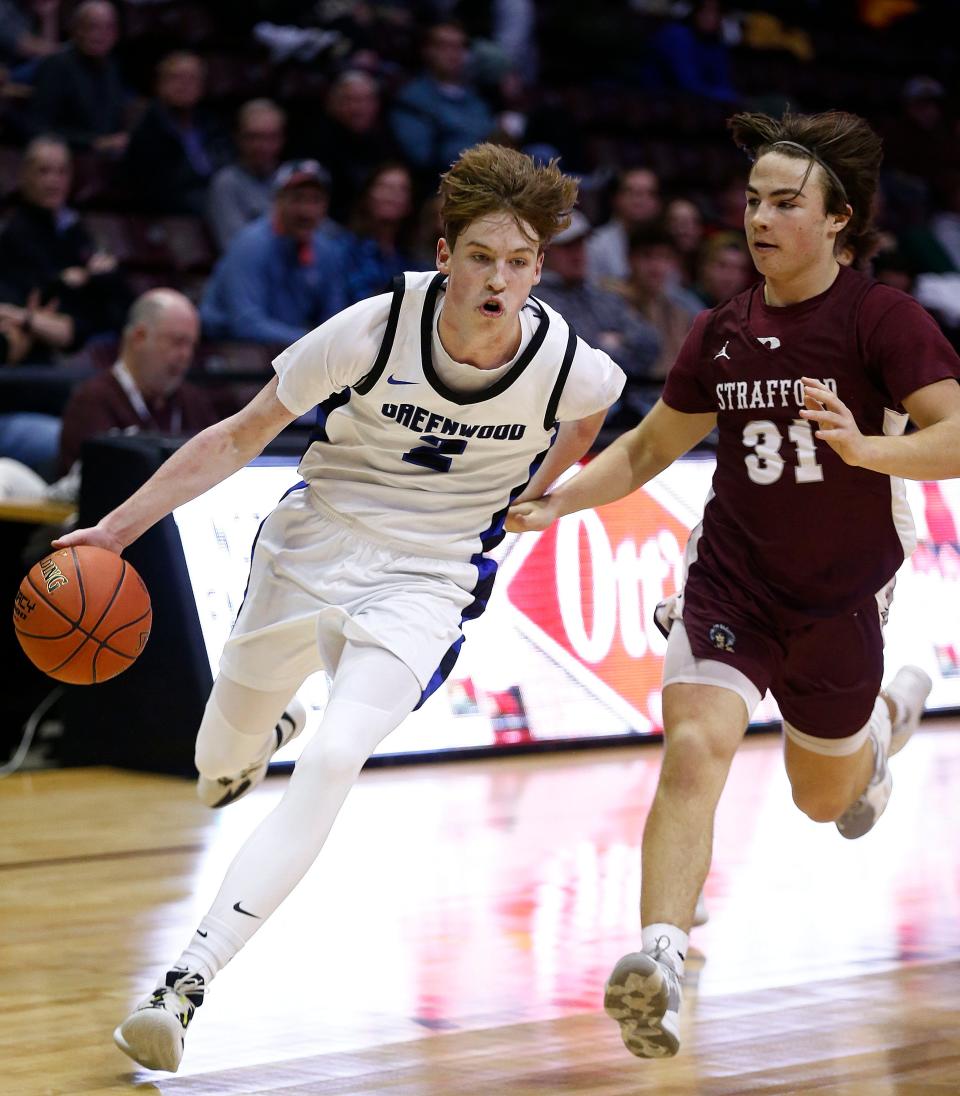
[265, 164]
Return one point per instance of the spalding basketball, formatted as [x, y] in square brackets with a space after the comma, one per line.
[82, 615]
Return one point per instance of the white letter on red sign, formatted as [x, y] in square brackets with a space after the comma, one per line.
[596, 646]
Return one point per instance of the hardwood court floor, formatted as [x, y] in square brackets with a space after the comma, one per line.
[456, 932]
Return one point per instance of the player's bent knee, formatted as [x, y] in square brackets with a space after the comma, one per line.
[221, 750]
[820, 805]
[821, 769]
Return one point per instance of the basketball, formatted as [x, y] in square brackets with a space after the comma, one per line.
[82, 615]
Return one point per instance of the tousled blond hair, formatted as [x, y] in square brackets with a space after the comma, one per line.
[489, 179]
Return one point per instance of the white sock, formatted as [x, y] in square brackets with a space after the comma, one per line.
[213, 946]
[669, 941]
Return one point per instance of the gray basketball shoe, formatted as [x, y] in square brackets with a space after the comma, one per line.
[228, 789]
[909, 690]
[643, 996]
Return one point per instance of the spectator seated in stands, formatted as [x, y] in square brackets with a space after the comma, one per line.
[921, 141]
[55, 285]
[241, 191]
[175, 147]
[283, 274]
[690, 56]
[78, 92]
[55, 289]
[600, 317]
[350, 138]
[437, 115]
[636, 201]
[145, 390]
[652, 291]
[684, 222]
[727, 203]
[28, 32]
[382, 227]
[724, 269]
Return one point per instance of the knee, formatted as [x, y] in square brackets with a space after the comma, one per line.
[220, 750]
[820, 804]
[331, 759]
[694, 759]
[210, 757]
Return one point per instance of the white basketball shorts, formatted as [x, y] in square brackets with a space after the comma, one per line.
[317, 581]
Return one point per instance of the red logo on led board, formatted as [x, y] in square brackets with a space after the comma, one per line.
[587, 591]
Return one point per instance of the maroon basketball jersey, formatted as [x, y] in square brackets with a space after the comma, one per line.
[787, 519]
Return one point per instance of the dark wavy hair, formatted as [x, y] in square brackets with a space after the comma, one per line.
[845, 147]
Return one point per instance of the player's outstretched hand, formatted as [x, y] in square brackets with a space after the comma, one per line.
[96, 536]
[835, 424]
[535, 514]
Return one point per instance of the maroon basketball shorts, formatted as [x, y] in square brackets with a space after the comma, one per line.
[824, 672]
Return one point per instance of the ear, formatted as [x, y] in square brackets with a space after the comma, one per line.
[443, 256]
[538, 267]
[840, 221]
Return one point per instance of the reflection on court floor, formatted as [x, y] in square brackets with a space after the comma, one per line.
[499, 893]
[456, 932]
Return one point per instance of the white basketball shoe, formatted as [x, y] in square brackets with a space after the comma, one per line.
[153, 1034]
[228, 789]
[909, 690]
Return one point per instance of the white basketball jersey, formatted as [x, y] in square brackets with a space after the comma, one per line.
[421, 464]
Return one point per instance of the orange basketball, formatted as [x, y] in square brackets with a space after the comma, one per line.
[82, 615]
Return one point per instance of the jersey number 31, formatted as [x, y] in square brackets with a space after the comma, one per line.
[765, 465]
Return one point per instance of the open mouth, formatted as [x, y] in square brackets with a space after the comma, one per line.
[492, 308]
[760, 245]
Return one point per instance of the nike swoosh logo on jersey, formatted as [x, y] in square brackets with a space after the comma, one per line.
[393, 380]
[771, 340]
[247, 913]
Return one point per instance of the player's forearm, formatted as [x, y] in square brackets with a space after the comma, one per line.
[573, 442]
[928, 454]
[198, 465]
[619, 470]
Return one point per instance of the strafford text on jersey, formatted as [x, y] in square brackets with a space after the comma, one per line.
[772, 392]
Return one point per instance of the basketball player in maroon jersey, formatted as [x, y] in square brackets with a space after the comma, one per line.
[810, 376]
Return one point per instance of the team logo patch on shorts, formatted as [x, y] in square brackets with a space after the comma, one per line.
[722, 637]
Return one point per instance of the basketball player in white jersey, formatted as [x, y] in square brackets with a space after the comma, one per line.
[439, 405]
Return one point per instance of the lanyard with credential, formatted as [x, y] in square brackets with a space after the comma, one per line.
[139, 404]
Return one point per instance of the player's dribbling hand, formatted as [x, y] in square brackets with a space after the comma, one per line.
[527, 517]
[96, 536]
[834, 421]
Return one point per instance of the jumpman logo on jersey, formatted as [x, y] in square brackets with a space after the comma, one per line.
[722, 353]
